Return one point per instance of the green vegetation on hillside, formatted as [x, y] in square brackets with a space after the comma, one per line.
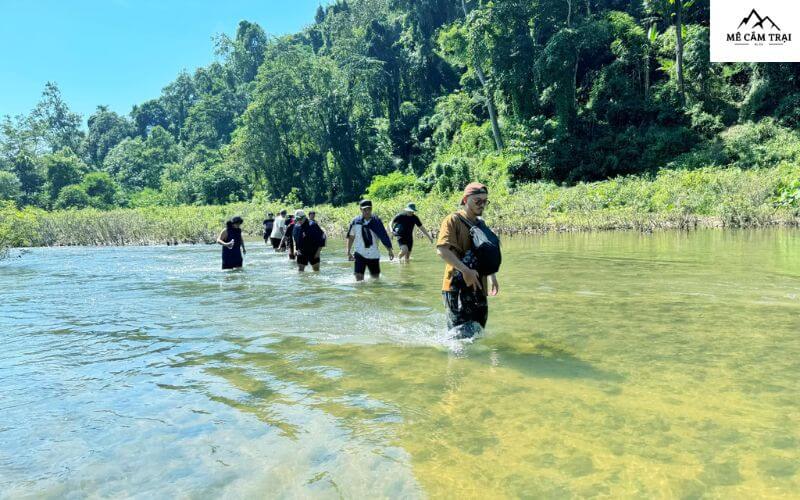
[431, 93]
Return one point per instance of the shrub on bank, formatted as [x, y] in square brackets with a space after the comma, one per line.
[730, 197]
[384, 187]
[760, 144]
[6, 207]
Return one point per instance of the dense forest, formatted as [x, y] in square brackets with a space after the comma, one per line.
[384, 95]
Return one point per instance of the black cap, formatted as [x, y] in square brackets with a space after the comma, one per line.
[365, 204]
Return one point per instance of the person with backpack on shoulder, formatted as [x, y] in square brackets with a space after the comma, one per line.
[363, 235]
[308, 242]
[471, 252]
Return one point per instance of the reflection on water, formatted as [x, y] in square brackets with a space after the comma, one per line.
[614, 364]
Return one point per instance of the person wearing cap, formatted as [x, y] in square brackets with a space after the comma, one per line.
[362, 237]
[403, 228]
[308, 241]
[463, 289]
[268, 223]
[232, 244]
[278, 231]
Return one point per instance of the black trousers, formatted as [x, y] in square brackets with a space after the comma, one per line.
[465, 305]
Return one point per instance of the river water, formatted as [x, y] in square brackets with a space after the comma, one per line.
[614, 364]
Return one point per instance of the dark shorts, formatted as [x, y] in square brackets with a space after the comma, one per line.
[465, 306]
[362, 264]
[403, 241]
[276, 242]
[303, 260]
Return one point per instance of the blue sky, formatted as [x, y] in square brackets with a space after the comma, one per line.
[120, 52]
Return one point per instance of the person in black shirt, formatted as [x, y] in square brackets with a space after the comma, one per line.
[232, 244]
[308, 241]
[269, 222]
[403, 226]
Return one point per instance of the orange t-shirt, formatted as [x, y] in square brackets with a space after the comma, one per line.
[454, 233]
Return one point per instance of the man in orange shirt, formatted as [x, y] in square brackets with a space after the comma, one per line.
[465, 290]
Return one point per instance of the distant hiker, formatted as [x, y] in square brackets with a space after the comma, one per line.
[268, 223]
[403, 226]
[472, 254]
[363, 234]
[232, 244]
[278, 230]
[287, 243]
[308, 241]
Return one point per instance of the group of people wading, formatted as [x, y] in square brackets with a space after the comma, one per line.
[470, 250]
[299, 235]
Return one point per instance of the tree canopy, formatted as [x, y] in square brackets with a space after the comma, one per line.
[438, 91]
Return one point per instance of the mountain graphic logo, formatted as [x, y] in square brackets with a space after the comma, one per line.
[761, 21]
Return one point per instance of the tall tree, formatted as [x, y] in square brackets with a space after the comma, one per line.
[477, 55]
[31, 174]
[61, 127]
[245, 52]
[177, 99]
[679, 46]
[674, 10]
[63, 168]
[106, 130]
[148, 115]
[138, 164]
[9, 186]
[311, 119]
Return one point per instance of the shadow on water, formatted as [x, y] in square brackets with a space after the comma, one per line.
[547, 361]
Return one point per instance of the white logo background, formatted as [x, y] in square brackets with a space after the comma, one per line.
[775, 41]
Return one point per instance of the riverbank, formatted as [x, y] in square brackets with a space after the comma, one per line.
[711, 197]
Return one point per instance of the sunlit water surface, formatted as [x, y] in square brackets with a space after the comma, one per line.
[615, 364]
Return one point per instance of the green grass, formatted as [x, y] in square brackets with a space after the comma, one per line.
[674, 199]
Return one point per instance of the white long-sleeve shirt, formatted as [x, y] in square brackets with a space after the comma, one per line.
[279, 228]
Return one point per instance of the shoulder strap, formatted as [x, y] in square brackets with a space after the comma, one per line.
[465, 220]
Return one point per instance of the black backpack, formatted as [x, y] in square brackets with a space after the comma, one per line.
[485, 247]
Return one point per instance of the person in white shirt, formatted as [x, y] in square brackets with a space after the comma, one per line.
[363, 236]
[278, 230]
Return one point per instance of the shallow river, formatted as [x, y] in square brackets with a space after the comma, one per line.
[614, 364]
